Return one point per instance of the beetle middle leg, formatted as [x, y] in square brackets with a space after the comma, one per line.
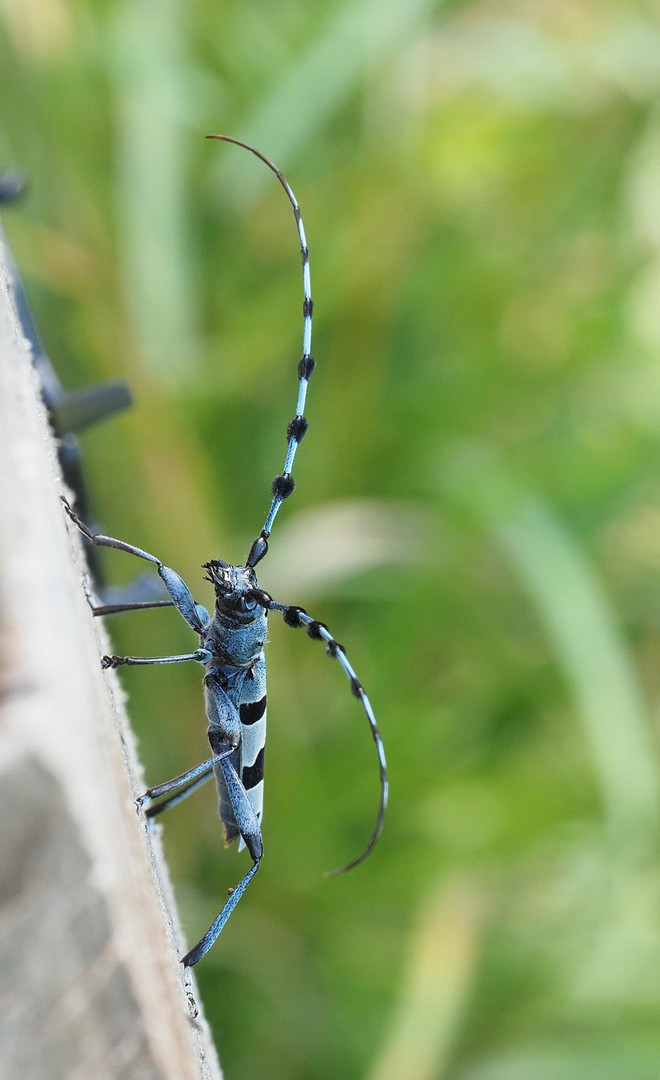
[198, 773]
[202, 656]
[179, 796]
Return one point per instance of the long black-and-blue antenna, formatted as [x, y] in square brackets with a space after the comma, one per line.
[284, 484]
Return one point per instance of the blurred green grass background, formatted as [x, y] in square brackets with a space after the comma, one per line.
[478, 506]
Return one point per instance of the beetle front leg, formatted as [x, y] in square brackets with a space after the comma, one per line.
[195, 615]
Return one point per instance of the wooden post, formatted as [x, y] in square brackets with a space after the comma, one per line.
[89, 938]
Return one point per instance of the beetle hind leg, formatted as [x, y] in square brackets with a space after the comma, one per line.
[249, 828]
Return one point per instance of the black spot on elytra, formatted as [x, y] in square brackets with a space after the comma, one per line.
[251, 711]
[252, 774]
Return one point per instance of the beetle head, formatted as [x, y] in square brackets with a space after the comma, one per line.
[233, 588]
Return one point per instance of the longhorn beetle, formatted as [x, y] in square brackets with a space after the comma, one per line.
[231, 649]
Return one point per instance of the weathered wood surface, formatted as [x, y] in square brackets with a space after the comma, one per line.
[91, 987]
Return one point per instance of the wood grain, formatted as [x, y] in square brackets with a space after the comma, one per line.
[89, 938]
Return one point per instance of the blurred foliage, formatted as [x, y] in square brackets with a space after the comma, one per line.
[478, 505]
